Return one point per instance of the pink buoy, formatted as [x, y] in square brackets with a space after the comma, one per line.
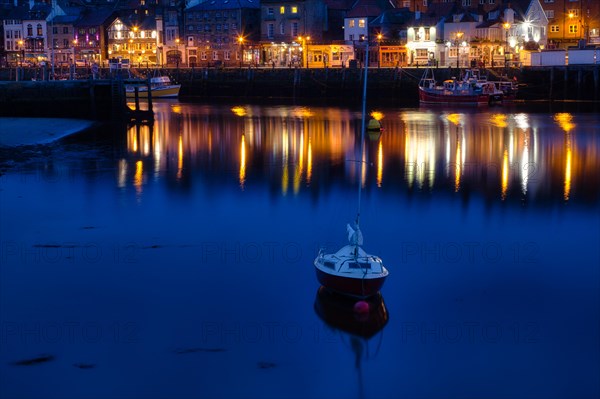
[361, 307]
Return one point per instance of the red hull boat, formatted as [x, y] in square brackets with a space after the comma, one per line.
[351, 271]
[441, 98]
[470, 91]
[360, 288]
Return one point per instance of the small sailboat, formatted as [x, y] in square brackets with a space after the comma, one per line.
[352, 271]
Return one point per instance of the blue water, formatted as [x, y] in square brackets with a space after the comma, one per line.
[176, 261]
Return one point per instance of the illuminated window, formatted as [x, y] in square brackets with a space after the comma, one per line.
[361, 23]
[574, 12]
[294, 10]
[351, 23]
[282, 10]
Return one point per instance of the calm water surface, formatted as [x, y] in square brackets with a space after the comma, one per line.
[176, 260]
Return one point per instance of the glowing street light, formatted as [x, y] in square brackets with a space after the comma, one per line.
[458, 35]
[304, 40]
[506, 27]
[22, 51]
[379, 37]
[74, 50]
[241, 42]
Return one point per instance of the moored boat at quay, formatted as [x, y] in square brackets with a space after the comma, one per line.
[469, 91]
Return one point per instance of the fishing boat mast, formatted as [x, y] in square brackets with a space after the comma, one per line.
[362, 131]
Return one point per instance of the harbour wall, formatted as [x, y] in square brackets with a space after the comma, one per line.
[67, 99]
[94, 96]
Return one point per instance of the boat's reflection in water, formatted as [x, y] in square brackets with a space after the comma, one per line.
[337, 311]
[355, 329]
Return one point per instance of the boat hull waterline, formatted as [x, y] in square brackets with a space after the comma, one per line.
[162, 92]
[430, 98]
[351, 286]
[471, 90]
[351, 271]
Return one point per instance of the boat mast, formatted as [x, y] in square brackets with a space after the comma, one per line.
[362, 131]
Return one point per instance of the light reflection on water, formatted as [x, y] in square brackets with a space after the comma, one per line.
[189, 245]
[503, 155]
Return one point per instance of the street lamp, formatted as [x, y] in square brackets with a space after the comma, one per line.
[74, 53]
[506, 27]
[178, 53]
[22, 51]
[241, 42]
[379, 37]
[459, 35]
[304, 40]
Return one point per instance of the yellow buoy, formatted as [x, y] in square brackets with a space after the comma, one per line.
[374, 125]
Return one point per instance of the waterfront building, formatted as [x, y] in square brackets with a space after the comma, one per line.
[13, 35]
[570, 21]
[467, 37]
[422, 40]
[357, 27]
[90, 37]
[289, 28]
[527, 27]
[62, 33]
[35, 33]
[223, 33]
[134, 38]
[169, 27]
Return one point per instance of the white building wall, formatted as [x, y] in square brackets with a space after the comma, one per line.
[353, 29]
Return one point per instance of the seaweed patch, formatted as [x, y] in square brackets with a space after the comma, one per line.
[33, 361]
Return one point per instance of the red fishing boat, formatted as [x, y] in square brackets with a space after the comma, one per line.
[467, 91]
